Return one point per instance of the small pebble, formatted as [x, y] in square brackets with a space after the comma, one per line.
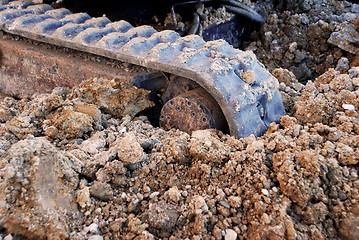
[230, 235]
[293, 46]
[154, 195]
[174, 194]
[96, 237]
[348, 107]
[8, 237]
[93, 228]
[265, 192]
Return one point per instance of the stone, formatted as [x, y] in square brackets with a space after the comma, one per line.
[102, 191]
[342, 65]
[94, 143]
[234, 201]
[349, 227]
[86, 108]
[173, 194]
[205, 145]
[349, 17]
[92, 228]
[199, 204]
[67, 124]
[176, 148]
[21, 126]
[265, 192]
[43, 104]
[354, 72]
[96, 237]
[83, 197]
[8, 237]
[116, 97]
[130, 151]
[293, 46]
[230, 235]
[162, 218]
[347, 38]
[89, 109]
[348, 107]
[5, 114]
[347, 155]
[37, 190]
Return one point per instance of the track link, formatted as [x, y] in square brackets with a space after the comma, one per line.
[245, 91]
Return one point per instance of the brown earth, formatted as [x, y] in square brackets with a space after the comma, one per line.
[70, 169]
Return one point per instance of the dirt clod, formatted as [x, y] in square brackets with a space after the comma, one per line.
[81, 164]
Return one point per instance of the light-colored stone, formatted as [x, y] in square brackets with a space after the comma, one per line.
[234, 201]
[5, 114]
[230, 235]
[205, 145]
[130, 151]
[8, 237]
[96, 237]
[37, 187]
[94, 143]
[173, 194]
[284, 76]
[92, 228]
[88, 109]
[83, 197]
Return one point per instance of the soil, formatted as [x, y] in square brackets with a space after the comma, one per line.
[77, 164]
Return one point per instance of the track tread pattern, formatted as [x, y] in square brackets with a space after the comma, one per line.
[216, 66]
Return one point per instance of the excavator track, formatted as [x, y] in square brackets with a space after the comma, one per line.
[245, 91]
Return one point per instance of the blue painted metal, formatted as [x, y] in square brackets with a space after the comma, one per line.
[245, 91]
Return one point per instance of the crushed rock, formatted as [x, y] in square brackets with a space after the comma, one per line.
[116, 97]
[122, 178]
[347, 36]
[211, 16]
[307, 37]
[37, 193]
[298, 181]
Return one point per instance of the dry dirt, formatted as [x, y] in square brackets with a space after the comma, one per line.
[77, 164]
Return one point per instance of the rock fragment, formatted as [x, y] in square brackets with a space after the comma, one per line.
[5, 114]
[116, 97]
[162, 218]
[284, 76]
[37, 191]
[67, 124]
[347, 38]
[102, 191]
[94, 143]
[230, 235]
[205, 145]
[176, 148]
[349, 227]
[173, 194]
[130, 151]
[83, 197]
